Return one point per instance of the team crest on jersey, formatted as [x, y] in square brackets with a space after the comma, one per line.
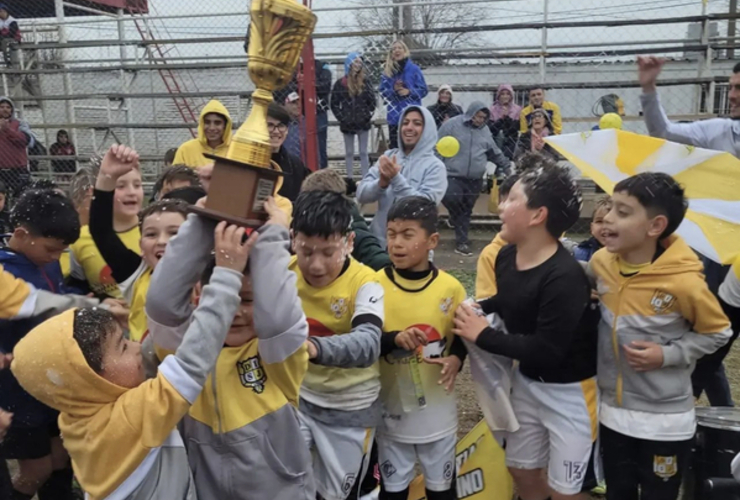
[252, 374]
[339, 306]
[665, 467]
[445, 305]
[662, 302]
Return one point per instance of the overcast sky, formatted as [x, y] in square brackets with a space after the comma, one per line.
[204, 25]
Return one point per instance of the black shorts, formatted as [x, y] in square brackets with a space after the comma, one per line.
[28, 443]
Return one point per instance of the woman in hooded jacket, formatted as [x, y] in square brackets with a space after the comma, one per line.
[533, 141]
[353, 104]
[444, 109]
[401, 85]
[505, 119]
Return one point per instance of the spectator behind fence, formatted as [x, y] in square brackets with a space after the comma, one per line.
[444, 109]
[353, 104]
[63, 147]
[294, 171]
[401, 85]
[214, 137]
[465, 170]
[537, 101]
[534, 139]
[411, 170]
[169, 157]
[323, 89]
[296, 127]
[15, 137]
[505, 119]
[9, 33]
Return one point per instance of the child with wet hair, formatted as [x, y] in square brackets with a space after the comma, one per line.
[367, 248]
[119, 428]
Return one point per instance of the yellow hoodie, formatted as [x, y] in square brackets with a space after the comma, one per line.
[123, 442]
[485, 280]
[191, 152]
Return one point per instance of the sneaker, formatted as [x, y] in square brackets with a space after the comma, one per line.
[463, 249]
[600, 489]
[449, 223]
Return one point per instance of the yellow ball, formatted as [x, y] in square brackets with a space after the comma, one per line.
[448, 146]
[610, 120]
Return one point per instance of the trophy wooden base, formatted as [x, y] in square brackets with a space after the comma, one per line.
[231, 219]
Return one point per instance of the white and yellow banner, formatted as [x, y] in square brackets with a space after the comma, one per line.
[481, 469]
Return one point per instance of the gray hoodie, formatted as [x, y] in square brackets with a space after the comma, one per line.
[477, 147]
[422, 174]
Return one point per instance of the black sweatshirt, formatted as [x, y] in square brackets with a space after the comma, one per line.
[122, 262]
[549, 315]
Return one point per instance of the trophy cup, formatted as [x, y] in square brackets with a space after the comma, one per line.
[246, 177]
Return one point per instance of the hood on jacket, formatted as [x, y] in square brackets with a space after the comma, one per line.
[50, 366]
[677, 258]
[498, 111]
[349, 60]
[9, 258]
[474, 107]
[428, 140]
[9, 101]
[448, 89]
[217, 107]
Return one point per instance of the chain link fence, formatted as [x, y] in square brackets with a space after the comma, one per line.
[141, 74]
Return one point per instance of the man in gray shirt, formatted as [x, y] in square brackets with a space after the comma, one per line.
[719, 134]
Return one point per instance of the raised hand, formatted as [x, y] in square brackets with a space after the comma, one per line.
[231, 251]
[277, 216]
[649, 67]
[117, 162]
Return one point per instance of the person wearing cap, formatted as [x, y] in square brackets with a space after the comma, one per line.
[294, 171]
[444, 109]
[15, 138]
[296, 127]
[537, 101]
[9, 32]
[322, 75]
[534, 139]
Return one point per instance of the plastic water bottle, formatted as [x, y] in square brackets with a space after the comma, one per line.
[410, 385]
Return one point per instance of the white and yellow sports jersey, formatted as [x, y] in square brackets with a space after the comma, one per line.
[428, 304]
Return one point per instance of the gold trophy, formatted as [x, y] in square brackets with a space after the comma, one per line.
[246, 177]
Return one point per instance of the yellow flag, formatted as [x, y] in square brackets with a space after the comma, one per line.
[481, 469]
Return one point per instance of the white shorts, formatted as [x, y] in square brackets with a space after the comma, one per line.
[397, 461]
[558, 430]
[340, 455]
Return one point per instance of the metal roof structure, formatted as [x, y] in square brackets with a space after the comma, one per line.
[23, 9]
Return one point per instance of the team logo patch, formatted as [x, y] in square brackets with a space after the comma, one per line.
[665, 467]
[387, 468]
[448, 471]
[445, 305]
[662, 302]
[339, 306]
[349, 481]
[252, 374]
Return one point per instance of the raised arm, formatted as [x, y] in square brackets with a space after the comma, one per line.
[279, 321]
[369, 189]
[118, 161]
[154, 408]
[656, 120]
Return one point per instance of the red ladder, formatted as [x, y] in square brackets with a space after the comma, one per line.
[175, 85]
